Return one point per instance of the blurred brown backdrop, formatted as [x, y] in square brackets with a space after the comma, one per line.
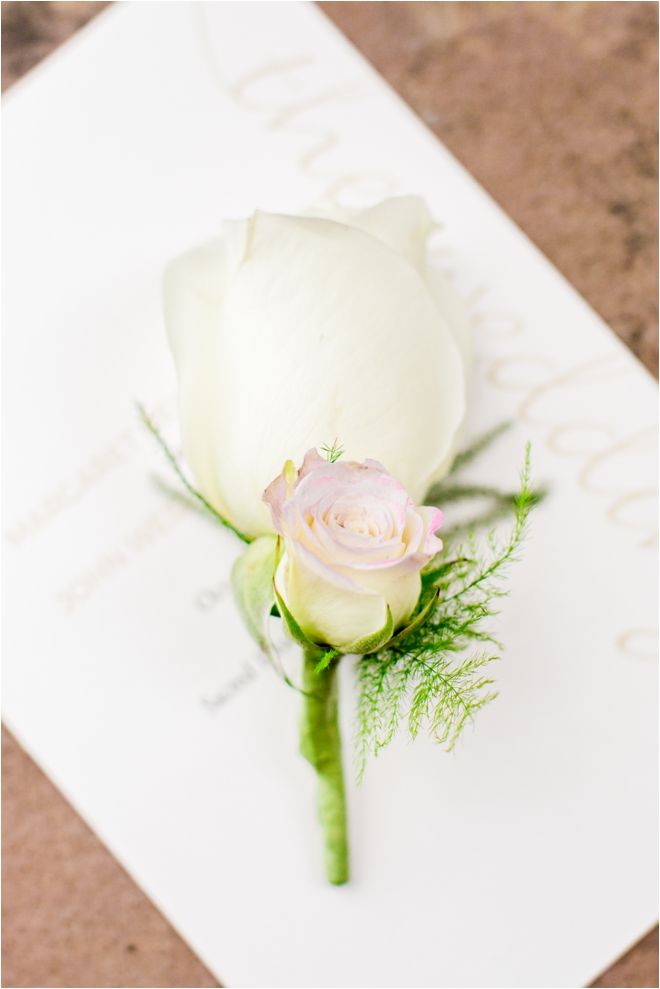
[553, 108]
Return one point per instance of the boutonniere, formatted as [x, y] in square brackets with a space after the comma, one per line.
[289, 332]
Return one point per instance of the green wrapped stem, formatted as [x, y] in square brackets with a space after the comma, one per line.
[320, 743]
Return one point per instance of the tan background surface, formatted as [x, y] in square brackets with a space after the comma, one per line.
[553, 108]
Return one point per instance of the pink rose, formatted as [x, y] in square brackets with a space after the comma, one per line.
[355, 545]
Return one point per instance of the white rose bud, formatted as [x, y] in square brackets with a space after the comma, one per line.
[355, 544]
[289, 332]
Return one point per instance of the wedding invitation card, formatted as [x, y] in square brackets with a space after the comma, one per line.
[522, 858]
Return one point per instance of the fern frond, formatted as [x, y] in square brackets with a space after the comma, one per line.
[193, 493]
[430, 677]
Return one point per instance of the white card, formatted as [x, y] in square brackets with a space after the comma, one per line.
[524, 858]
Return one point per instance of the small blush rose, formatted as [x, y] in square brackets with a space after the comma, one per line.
[355, 545]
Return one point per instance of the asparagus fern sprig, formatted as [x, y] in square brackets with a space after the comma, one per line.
[192, 492]
[430, 677]
[332, 451]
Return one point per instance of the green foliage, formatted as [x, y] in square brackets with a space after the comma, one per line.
[471, 452]
[500, 504]
[428, 677]
[193, 495]
[333, 452]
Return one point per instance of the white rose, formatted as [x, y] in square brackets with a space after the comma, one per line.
[289, 332]
[355, 544]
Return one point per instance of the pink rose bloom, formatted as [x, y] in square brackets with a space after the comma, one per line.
[355, 545]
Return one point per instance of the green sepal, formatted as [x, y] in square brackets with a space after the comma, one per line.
[294, 630]
[291, 625]
[252, 582]
[326, 654]
[361, 647]
[418, 620]
[373, 642]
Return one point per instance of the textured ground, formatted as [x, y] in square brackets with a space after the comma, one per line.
[553, 108]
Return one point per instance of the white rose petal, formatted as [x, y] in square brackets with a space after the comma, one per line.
[293, 331]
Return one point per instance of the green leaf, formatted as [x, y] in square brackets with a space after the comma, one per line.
[252, 582]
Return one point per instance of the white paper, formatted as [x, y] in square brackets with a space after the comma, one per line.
[525, 858]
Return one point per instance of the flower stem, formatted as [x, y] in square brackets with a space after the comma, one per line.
[320, 743]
